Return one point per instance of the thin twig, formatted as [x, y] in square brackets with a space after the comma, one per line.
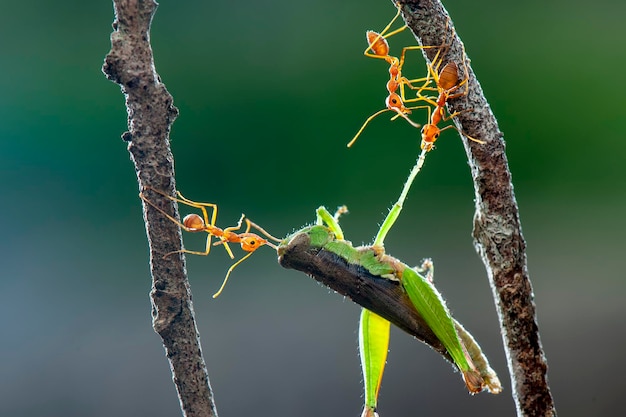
[150, 116]
[497, 229]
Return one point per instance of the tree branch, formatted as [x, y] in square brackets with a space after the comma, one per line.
[150, 116]
[497, 230]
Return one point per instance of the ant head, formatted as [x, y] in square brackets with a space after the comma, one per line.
[394, 102]
[193, 221]
[377, 43]
[430, 133]
[251, 242]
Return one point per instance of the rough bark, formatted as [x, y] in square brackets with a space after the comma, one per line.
[150, 115]
[497, 230]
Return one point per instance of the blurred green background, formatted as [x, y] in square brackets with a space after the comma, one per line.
[269, 94]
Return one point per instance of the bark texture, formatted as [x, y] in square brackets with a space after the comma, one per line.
[150, 115]
[497, 230]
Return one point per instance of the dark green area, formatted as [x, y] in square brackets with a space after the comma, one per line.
[269, 93]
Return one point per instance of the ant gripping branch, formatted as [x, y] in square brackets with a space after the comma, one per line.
[194, 223]
[448, 83]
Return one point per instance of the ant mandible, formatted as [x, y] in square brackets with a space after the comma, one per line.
[194, 223]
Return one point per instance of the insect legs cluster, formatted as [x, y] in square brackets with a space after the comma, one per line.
[447, 84]
[378, 48]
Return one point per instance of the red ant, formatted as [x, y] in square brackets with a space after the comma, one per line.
[377, 43]
[447, 81]
[194, 223]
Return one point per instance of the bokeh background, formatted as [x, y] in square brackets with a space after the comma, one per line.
[269, 94]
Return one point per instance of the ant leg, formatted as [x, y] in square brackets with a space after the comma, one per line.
[413, 48]
[222, 241]
[228, 274]
[263, 231]
[190, 203]
[400, 114]
[432, 75]
[192, 252]
[382, 33]
[405, 117]
[385, 57]
[182, 226]
[457, 95]
[369, 119]
[382, 36]
[224, 238]
[200, 206]
[238, 226]
[425, 80]
[207, 226]
[420, 97]
[482, 142]
[435, 64]
[456, 113]
[395, 32]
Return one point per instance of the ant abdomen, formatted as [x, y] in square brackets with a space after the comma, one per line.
[194, 221]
